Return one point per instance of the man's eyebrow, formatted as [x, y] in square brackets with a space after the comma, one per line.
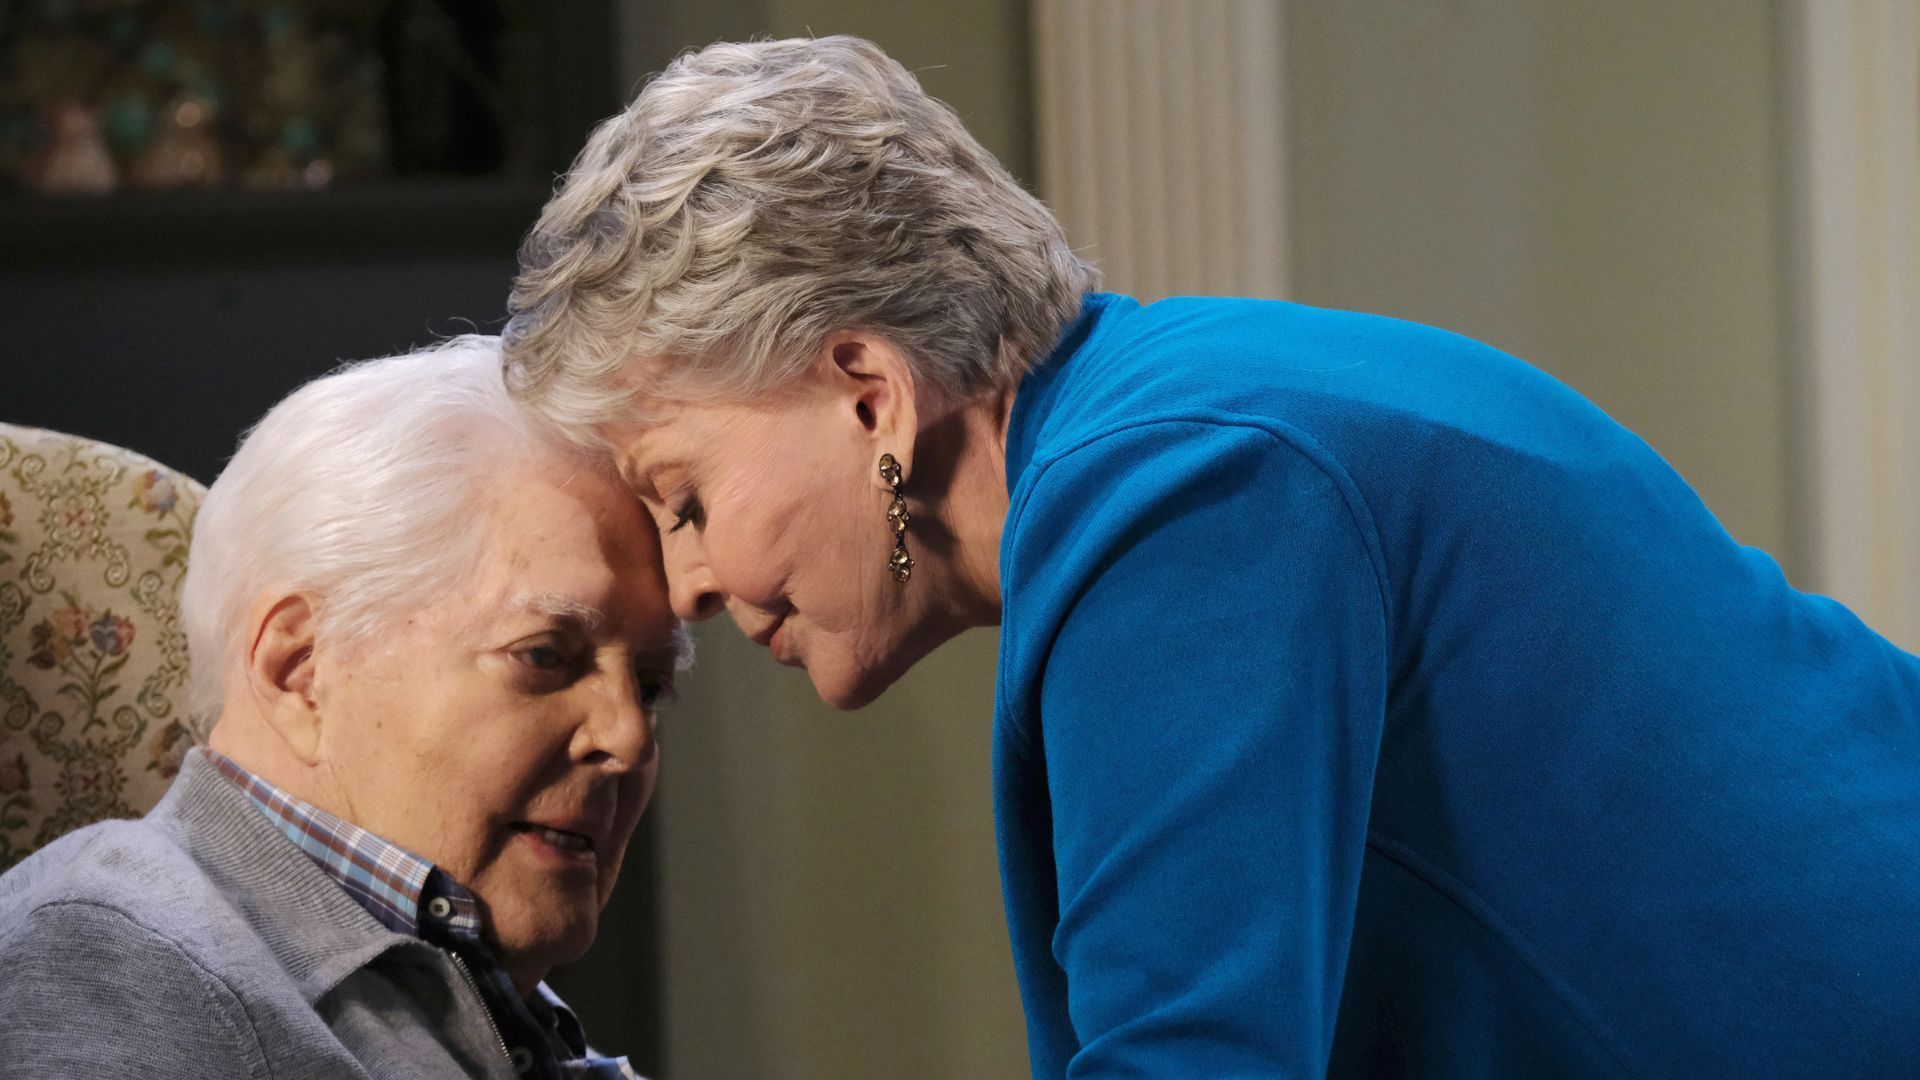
[677, 650]
[565, 608]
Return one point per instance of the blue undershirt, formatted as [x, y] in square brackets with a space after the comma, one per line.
[1372, 705]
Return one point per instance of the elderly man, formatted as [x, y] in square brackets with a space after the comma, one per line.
[433, 639]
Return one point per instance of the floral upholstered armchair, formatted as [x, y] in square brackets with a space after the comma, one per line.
[93, 663]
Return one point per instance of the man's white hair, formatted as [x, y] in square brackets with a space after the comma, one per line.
[362, 488]
[756, 198]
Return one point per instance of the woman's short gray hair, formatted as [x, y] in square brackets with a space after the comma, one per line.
[363, 488]
[756, 198]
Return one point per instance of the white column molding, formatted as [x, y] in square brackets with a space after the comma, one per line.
[1854, 141]
[1161, 140]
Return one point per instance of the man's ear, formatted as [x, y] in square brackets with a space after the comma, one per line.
[874, 384]
[279, 669]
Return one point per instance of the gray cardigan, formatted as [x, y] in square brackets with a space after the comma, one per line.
[198, 942]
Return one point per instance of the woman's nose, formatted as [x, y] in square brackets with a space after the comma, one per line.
[694, 600]
[690, 585]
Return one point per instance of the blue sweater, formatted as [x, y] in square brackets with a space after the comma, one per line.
[1372, 705]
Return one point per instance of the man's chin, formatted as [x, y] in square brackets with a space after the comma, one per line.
[540, 927]
[531, 953]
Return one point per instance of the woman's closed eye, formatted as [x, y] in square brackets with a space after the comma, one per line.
[689, 513]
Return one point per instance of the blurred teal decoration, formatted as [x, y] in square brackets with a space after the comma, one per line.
[299, 138]
[123, 28]
[129, 123]
[278, 21]
[157, 58]
[251, 93]
[213, 18]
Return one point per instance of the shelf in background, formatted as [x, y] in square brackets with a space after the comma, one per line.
[399, 220]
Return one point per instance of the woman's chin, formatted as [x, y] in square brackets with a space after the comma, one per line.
[845, 683]
[847, 689]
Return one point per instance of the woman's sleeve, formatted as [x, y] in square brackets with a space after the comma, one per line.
[1203, 626]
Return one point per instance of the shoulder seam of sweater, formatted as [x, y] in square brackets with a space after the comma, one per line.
[1301, 444]
[214, 985]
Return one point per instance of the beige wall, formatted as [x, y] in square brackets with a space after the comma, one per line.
[972, 54]
[1595, 187]
[830, 893]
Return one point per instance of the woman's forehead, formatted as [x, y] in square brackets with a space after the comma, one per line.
[687, 434]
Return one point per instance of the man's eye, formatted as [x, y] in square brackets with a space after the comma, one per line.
[655, 688]
[688, 514]
[542, 657]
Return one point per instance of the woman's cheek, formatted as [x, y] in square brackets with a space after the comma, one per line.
[747, 571]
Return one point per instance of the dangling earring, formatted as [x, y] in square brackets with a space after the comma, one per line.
[899, 563]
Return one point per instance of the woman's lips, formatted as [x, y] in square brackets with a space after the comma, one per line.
[764, 636]
[774, 639]
[777, 646]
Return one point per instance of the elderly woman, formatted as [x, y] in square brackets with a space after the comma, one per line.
[1369, 703]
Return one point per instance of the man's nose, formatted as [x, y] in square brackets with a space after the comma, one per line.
[621, 728]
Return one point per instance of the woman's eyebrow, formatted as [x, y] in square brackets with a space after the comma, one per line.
[646, 481]
[629, 475]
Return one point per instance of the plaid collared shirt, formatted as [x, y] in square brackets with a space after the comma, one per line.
[409, 895]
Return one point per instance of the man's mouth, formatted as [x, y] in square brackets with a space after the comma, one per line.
[560, 839]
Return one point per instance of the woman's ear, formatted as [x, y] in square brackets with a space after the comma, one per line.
[280, 673]
[874, 385]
